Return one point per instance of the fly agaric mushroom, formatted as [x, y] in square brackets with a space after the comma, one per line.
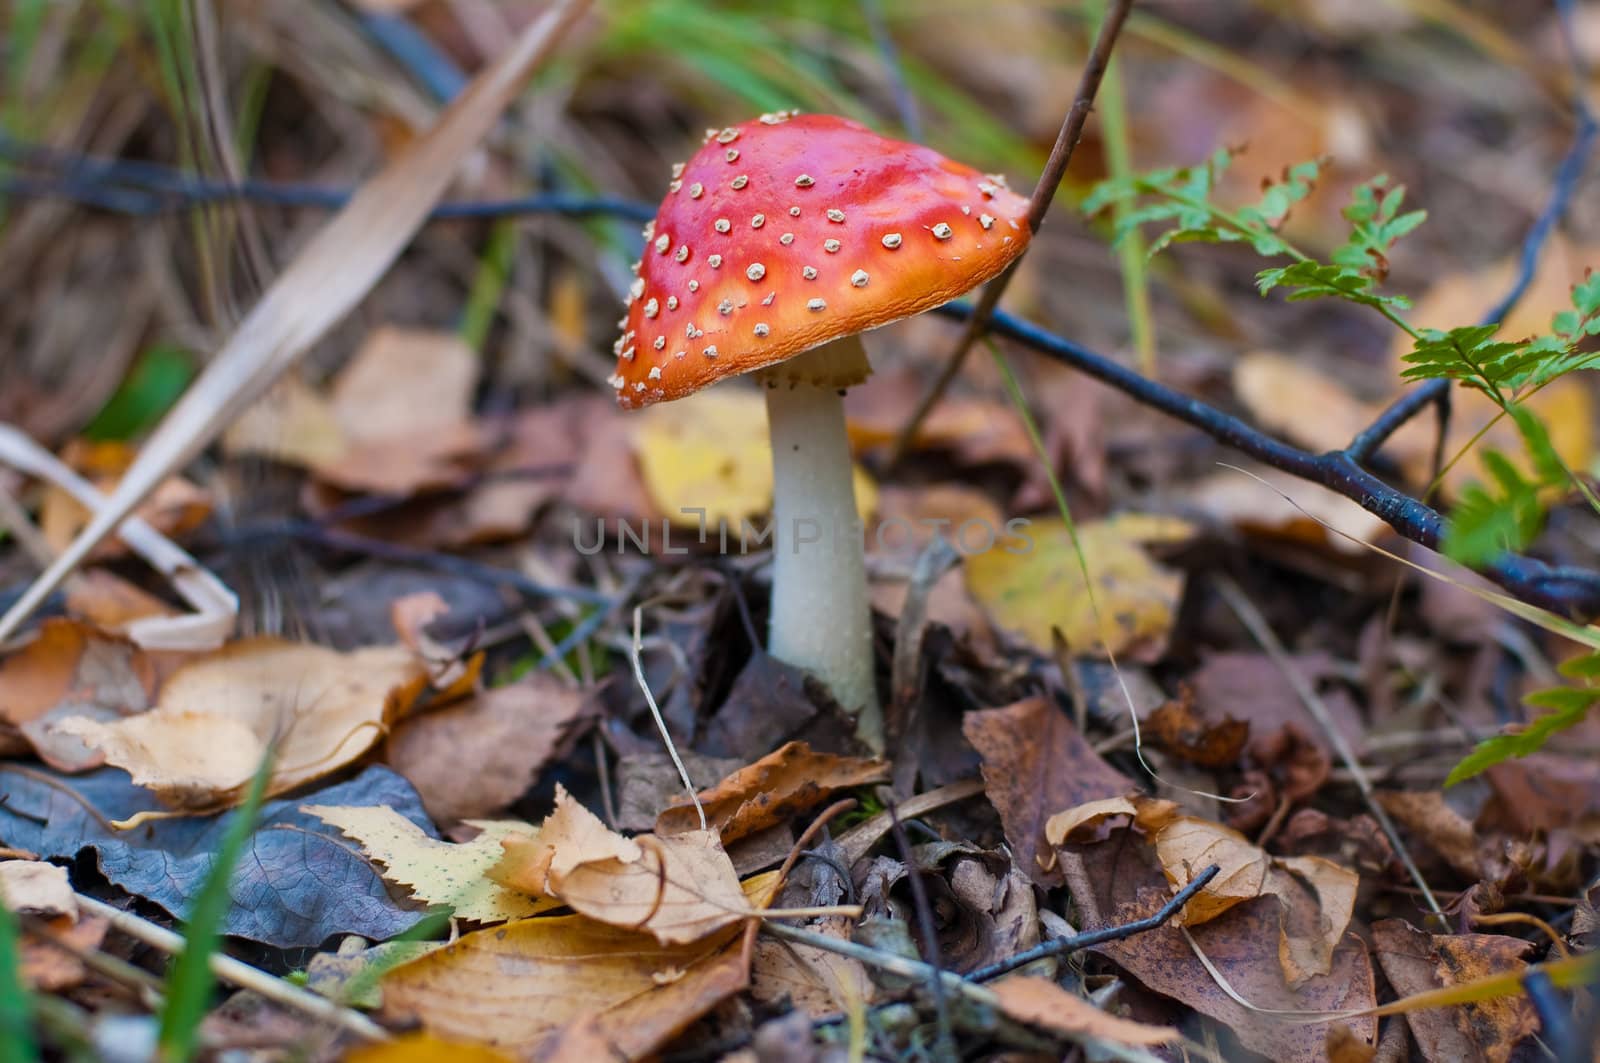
[777, 244]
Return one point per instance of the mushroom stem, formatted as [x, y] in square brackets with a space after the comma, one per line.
[821, 621]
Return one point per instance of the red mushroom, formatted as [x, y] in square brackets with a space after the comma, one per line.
[777, 244]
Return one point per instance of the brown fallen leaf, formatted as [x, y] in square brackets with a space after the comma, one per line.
[448, 672]
[1041, 1002]
[69, 669]
[1483, 1032]
[175, 508]
[568, 987]
[46, 968]
[473, 759]
[434, 871]
[775, 788]
[679, 888]
[217, 716]
[423, 1047]
[815, 981]
[1178, 729]
[1428, 815]
[1035, 763]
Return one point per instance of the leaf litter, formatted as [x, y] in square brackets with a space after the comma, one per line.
[1040, 812]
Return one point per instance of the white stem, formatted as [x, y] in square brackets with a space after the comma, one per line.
[820, 618]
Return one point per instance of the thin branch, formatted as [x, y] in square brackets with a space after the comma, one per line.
[1078, 942]
[235, 972]
[1043, 192]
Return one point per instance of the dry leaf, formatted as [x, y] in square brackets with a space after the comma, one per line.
[1481, 1032]
[1178, 729]
[175, 508]
[712, 451]
[44, 967]
[448, 673]
[217, 716]
[1041, 1002]
[1428, 815]
[292, 423]
[1037, 591]
[679, 888]
[775, 788]
[1035, 763]
[1270, 503]
[37, 888]
[474, 759]
[815, 981]
[1188, 845]
[71, 670]
[423, 1047]
[544, 987]
[437, 872]
[1065, 827]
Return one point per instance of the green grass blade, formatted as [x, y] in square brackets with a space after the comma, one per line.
[189, 979]
[17, 1044]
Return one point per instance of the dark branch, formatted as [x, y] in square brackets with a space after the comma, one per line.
[1049, 180]
[1077, 942]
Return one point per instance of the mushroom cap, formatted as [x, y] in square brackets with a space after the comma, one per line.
[792, 230]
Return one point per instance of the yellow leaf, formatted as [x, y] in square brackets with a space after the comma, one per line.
[425, 1048]
[712, 451]
[434, 871]
[1041, 589]
[560, 982]
[216, 717]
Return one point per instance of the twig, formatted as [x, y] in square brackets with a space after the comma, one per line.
[1571, 592]
[1043, 192]
[1262, 632]
[241, 974]
[1077, 942]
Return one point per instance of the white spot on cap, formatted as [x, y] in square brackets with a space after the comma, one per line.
[740, 181]
[732, 155]
[714, 261]
[768, 300]
[859, 278]
[655, 372]
[835, 214]
[652, 308]
[615, 380]
[777, 118]
[809, 273]
[682, 254]
[805, 180]
[675, 185]
[710, 352]
[639, 387]
[725, 307]
[762, 330]
[636, 289]
[756, 271]
[694, 286]
[757, 220]
[660, 343]
[987, 189]
[627, 355]
[794, 212]
[679, 354]
[696, 189]
[891, 240]
[986, 220]
[722, 225]
[728, 135]
[942, 231]
[966, 210]
[831, 246]
[672, 302]
[688, 331]
[662, 243]
[816, 304]
[677, 169]
[786, 239]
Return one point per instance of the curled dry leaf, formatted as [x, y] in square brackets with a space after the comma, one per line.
[1033, 584]
[1035, 763]
[37, 888]
[679, 888]
[218, 715]
[570, 988]
[434, 871]
[1178, 729]
[1040, 1002]
[1316, 896]
[68, 670]
[773, 789]
[1485, 1031]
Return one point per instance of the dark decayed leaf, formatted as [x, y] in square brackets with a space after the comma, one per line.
[298, 884]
